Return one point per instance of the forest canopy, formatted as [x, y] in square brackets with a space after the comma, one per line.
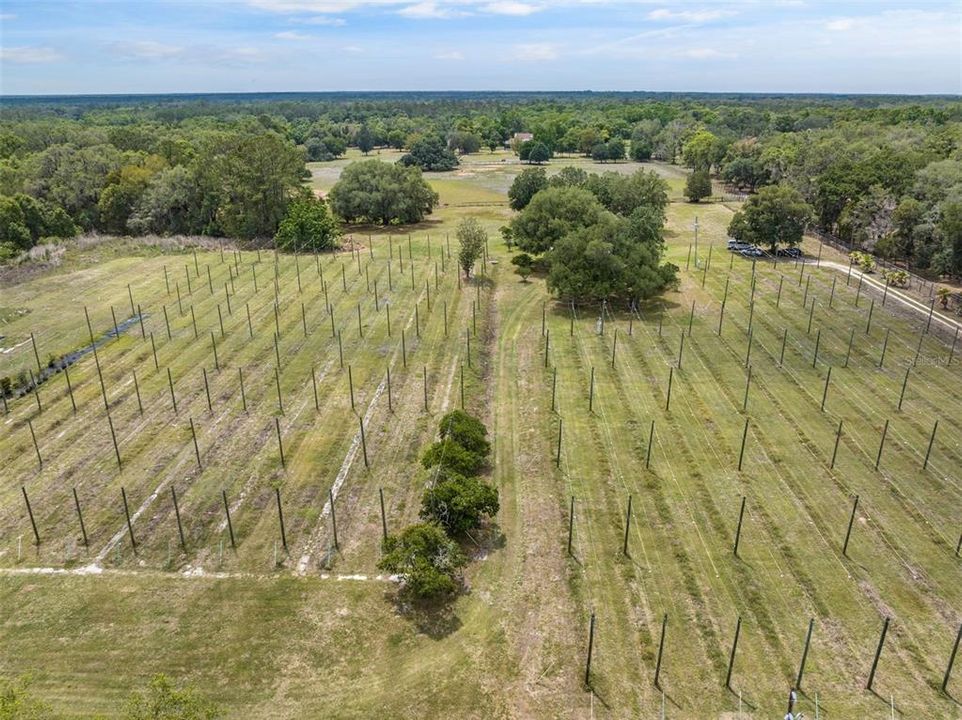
[883, 173]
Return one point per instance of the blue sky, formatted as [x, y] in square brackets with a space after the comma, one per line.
[148, 46]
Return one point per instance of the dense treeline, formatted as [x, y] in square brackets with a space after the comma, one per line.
[882, 172]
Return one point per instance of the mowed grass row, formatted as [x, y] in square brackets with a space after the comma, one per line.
[239, 451]
[791, 568]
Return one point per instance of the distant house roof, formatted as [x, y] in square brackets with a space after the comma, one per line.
[523, 136]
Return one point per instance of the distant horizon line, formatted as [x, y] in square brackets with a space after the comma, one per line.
[760, 93]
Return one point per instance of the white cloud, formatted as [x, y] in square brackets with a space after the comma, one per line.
[706, 53]
[7, 17]
[25, 55]
[509, 7]
[352, 49]
[145, 50]
[840, 25]
[151, 51]
[449, 55]
[321, 20]
[429, 10]
[689, 16]
[535, 52]
[328, 7]
[291, 35]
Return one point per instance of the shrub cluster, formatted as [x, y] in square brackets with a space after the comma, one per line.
[427, 556]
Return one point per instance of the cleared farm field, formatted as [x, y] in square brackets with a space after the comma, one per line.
[733, 387]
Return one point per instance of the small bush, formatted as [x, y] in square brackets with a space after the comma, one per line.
[426, 560]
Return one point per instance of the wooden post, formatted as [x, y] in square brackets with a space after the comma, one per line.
[113, 436]
[83, 528]
[425, 372]
[557, 459]
[818, 338]
[330, 495]
[741, 453]
[878, 653]
[955, 340]
[831, 297]
[738, 531]
[446, 319]
[885, 344]
[380, 492]
[571, 523]
[207, 390]
[554, 387]
[681, 349]
[417, 319]
[33, 522]
[350, 384]
[360, 422]
[140, 405]
[918, 350]
[691, 317]
[153, 348]
[858, 290]
[948, 669]
[848, 532]
[230, 526]
[340, 350]
[180, 527]
[808, 282]
[240, 374]
[591, 644]
[721, 319]
[748, 384]
[661, 648]
[543, 318]
[280, 442]
[671, 374]
[731, 657]
[781, 356]
[905, 383]
[277, 384]
[878, 458]
[828, 377]
[885, 292]
[130, 527]
[614, 348]
[193, 320]
[116, 327]
[801, 666]
[838, 436]
[193, 435]
[591, 390]
[651, 439]
[280, 517]
[868, 325]
[811, 315]
[166, 280]
[624, 546]
[688, 259]
[751, 315]
[748, 351]
[929, 449]
[167, 322]
[387, 307]
[213, 345]
[36, 354]
[778, 297]
[462, 387]
[170, 384]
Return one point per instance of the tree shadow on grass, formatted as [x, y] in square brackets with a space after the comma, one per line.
[434, 618]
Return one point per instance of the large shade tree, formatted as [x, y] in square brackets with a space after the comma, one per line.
[777, 215]
[382, 193]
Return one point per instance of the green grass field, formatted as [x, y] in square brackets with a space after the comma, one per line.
[316, 632]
